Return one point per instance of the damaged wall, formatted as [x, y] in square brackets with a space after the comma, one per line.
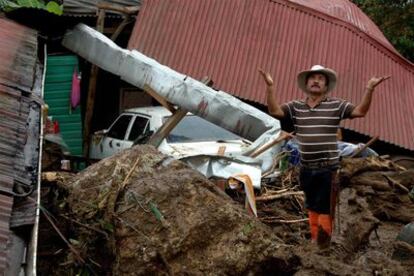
[20, 101]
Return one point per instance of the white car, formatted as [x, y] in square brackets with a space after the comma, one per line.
[192, 136]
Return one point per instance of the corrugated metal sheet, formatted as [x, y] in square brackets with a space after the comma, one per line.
[6, 203]
[58, 87]
[229, 40]
[89, 7]
[17, 46]
[18, 53]
[345, 10]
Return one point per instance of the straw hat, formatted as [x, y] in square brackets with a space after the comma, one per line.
[329, 73]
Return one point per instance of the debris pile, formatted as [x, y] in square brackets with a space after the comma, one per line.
[152, 214]
[141, 212]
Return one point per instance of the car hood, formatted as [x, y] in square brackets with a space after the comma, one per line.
[181, 150]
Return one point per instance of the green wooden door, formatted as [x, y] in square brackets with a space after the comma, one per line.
[58, 86]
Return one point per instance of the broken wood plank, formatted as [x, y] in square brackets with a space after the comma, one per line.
[396, 184]
[272, 197]
[221, 150]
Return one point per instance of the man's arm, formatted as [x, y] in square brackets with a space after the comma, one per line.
[274, 108]
[362, 108]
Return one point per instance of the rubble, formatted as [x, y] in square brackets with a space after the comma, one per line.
[141, 212]
[163, 218]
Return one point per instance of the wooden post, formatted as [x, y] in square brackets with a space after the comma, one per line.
[370, 142]
[117, 8]
[121, 27]
[90, 102]
[166, 128]
[177, 116]
[159, 98]
[283, 136]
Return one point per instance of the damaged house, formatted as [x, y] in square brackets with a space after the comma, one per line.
[32, 66]
[230, 40]
[21, 77]
[226, 41]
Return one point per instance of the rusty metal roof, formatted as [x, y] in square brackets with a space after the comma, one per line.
[18, 73]
[229, 40]
[17, 46]
[347, 11]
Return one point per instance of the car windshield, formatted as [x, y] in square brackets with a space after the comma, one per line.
[195, 129]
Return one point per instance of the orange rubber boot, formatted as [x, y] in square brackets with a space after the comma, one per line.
[313, 224]
[324, 231]
[325, 222]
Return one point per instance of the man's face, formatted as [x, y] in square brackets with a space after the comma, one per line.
[317, 83]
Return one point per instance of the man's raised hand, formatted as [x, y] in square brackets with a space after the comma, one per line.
[266, 76]
[374, 81]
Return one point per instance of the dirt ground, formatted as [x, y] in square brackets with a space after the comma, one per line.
[143, 213]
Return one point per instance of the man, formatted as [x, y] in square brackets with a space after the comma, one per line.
[316, 120]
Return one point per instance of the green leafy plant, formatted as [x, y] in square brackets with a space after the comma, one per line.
[50, 6]
[395, 18]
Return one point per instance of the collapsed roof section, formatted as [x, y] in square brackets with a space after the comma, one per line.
[134, 67]
[185, 92]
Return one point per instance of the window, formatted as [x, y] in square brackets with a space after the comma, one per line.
[139, 127]
[195, 129]
[119, 128]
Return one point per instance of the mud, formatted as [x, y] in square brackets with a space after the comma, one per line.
[142, 213]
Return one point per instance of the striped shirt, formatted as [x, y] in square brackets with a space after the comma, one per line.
[316, 128]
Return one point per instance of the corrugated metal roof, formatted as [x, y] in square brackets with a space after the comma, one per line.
[18, 71]
[229, 40]
[89, 7]
[17, 46]
[349, 12]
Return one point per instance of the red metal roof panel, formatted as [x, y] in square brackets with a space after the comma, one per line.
[229, 40]
[347, 11]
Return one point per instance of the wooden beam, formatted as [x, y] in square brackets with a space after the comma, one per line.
[207, 81]
[132, 10]
[90, 102]
[166, 128]
[370, 142]
[171, 122]
[100, 23]
[159, 98]
[283, 136]
[121, 27]
[272, 197]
